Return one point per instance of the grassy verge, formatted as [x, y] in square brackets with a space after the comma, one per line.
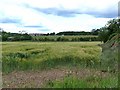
[88, 82]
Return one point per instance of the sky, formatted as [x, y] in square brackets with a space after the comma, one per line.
[46, 16]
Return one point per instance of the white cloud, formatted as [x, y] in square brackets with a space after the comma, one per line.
[28, 16]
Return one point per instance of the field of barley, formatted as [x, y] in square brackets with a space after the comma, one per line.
[54, 65]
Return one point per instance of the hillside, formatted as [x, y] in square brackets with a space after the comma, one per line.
[110, 53]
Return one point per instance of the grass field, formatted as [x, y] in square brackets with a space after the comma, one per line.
[24, 56]
[44, 64]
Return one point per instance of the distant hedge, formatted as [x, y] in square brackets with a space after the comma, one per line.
[7, 36]
[65, 38]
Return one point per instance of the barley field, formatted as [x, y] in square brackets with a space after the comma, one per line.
[54, 65]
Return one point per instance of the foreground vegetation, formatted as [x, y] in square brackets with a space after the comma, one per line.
[47, 56]
[30, 56]
[50, 57]
[88, 82]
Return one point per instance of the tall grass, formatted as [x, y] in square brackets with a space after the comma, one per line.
[32, 56]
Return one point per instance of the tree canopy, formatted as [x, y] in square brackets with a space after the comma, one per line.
[111, 29]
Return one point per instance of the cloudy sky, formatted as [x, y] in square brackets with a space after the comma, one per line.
[45, 16]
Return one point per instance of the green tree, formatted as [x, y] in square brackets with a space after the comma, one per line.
[109, 30]
[103, 34]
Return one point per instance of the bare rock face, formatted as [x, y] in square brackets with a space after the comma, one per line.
[110, 53]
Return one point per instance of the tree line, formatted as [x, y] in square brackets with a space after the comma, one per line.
[74, 33]
[104, 34]
[7, 36]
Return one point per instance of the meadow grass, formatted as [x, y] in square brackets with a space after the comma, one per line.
[23, 56]
[46, 55]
